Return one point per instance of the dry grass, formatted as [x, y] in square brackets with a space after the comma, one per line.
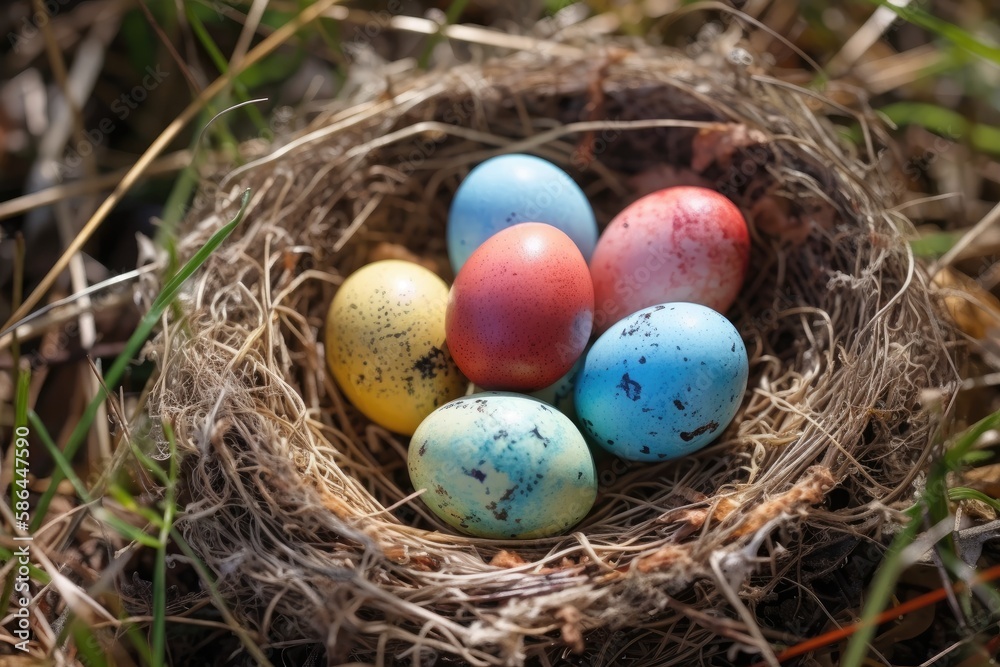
[301, 507]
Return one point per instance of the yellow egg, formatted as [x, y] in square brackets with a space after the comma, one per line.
[385, 344]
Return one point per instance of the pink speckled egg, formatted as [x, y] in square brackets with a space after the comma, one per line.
[521, 309]
[684, 243]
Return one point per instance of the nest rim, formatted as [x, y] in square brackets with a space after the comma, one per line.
[583, 582]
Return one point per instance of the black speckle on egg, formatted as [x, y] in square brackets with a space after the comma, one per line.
[645, 449]
[631, 388]
[687, 436]
[476, 474]
[678, 404]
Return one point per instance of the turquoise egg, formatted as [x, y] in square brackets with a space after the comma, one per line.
[662, 383]
[559, 394]
[503, 465]
[509, 189]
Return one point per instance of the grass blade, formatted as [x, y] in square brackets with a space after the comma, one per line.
[159, 642]
[949, 31]
[58, 458]
[89, 647]
[132, 347]
[965, 493]
[220, 603]
[21, 398]
[949, 124]
[223, 65]
[933, 501]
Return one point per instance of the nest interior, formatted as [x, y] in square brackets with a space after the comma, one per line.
[301, 507]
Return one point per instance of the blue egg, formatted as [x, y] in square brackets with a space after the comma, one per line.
[503, 465]
[662, 383]
[509, 189]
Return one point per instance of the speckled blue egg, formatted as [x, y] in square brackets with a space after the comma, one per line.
[662, 382]
[510, 189]
[503, 465]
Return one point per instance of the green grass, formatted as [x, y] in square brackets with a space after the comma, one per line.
[934, 505]
[949, 124]
[452, 15]
[162, 521]
[958, 36]
[132, 347]
[935, 244]
[222, 64]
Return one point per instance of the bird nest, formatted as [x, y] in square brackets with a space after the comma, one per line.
[302, 508]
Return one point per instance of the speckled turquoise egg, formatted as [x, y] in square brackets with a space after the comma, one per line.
[662, 382]
[559, 394]
[503, 465]
[508, 189]
[385, 344]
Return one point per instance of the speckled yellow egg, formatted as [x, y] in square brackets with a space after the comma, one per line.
[385, 344]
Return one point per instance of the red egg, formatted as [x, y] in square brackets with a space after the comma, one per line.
[684, 243]
[521, 309]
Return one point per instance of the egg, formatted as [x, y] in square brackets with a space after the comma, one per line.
[385, 344]
[559, 394]
[503, 465]
[684, 243]
[521, 309]
[662, 383]
[510, 189]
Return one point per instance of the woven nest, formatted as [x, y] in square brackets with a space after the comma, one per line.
[302, 508]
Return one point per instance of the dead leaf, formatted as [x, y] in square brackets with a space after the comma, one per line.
[663, 176]
[696, 518]
[771, 215]
[667, 557]
[507, 559]
[396, 251]
[975, 310]
[401, 555]
[718, 145]
[572, 634]
[810, 490]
